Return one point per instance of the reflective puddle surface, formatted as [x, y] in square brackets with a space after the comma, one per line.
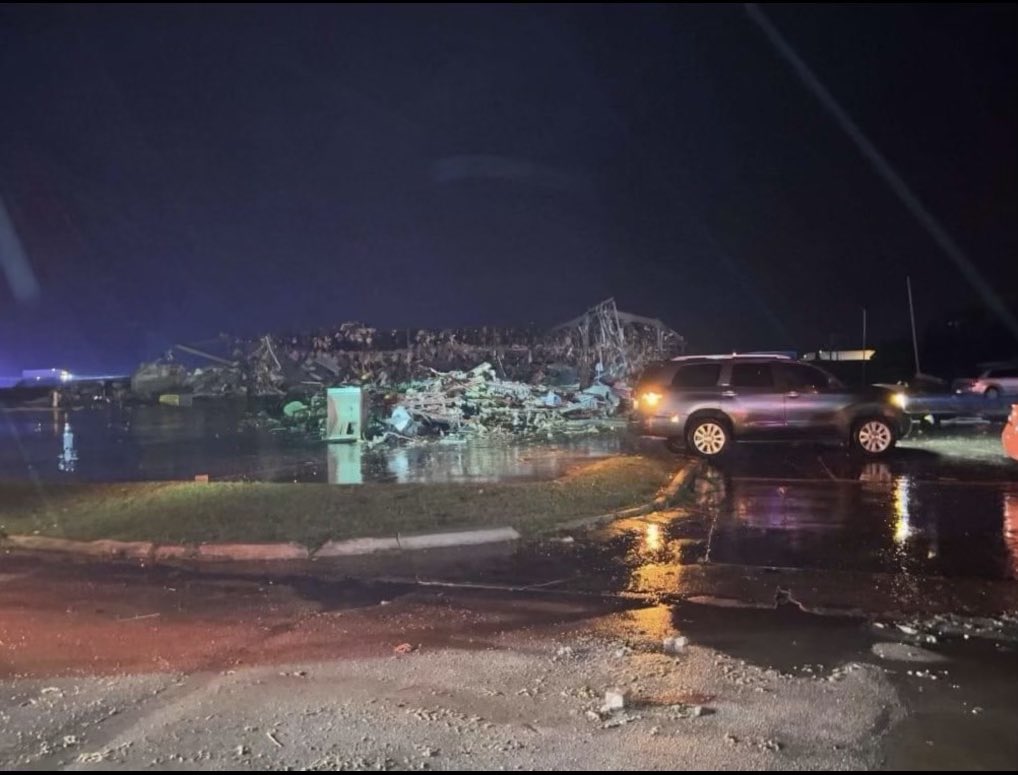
[174, 443]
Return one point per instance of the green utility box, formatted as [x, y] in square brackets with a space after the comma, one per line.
[346, 414]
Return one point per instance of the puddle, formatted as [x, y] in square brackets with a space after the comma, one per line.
[893, 525]
[960, 711]
[963, 721]
[487, 461]
[784, 638]
[973, 443]
[171, 443]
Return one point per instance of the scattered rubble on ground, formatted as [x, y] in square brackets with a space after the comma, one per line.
[674, 644]
[422, 384]
[620, 718]
[614, 699]
[455, 708]
[683, 711]
[928, 629]
[905, 652]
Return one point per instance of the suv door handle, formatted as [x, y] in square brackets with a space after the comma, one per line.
[728, 394]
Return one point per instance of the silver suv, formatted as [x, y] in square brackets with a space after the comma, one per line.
[704, 403]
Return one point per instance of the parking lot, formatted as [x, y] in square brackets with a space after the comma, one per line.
[944, 504]
[932, 526]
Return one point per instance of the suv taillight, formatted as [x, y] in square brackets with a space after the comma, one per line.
[647, 400]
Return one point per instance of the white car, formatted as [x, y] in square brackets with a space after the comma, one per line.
[994, 383]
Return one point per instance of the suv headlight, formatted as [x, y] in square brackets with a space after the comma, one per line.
[900, 400]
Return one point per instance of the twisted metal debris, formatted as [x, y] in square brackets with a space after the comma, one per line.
[527, 381]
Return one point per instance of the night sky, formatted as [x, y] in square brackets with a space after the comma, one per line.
[174, 172]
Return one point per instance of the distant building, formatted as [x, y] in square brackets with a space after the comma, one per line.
[840, 355]
[45, 376]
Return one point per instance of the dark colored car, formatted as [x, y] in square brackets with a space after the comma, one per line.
[704, 403]
[923, 402]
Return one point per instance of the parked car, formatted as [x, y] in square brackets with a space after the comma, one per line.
[925, 402]
[705, 403]
[993, 383]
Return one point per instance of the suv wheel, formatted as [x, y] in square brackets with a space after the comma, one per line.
[992, 393]
[873, 436]
[708, 437]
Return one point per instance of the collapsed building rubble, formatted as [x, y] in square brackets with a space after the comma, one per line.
[475, 380]
[478, 402]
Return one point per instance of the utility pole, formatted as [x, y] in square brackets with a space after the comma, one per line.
[863, 345]
[911, 314]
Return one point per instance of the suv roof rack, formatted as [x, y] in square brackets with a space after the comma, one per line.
[730, 356]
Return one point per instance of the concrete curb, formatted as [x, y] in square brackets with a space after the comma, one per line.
[43, 543]
[235, 552]
[458, 538]
[601, 519]
[135, 550]
[165, 552]
[681, 479]
[144, 550]
[141, 550]
[356, 546]
[666, 495]
[252, 552]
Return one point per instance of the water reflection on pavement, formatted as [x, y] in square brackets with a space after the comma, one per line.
[916, 512]
[903, 524]
[927, 511]
[177, 443]
[841, 532]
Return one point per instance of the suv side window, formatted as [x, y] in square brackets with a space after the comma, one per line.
[1004, 373]
[756, 375]
[795, 376]
[697, 375]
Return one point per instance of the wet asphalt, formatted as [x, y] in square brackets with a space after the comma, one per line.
[933, 525]
[156, 443]
[63, 621]
[958, 691]
[796, 558]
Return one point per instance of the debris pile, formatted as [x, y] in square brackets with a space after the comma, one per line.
[613, 344]
[152, 379]
[213, 381]
[478, 402]
[472, 380]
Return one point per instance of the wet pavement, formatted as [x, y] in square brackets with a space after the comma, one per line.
[944, 507]
[958, 691]
[925, 510]
[895, 522]
[910, 560]
[921, 531]
[905, 533]
[121, 667]
[941, 513]
[178, 443]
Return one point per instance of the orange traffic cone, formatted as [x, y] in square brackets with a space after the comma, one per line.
[1010, 435]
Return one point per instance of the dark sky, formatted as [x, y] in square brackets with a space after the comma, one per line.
[173, 172]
